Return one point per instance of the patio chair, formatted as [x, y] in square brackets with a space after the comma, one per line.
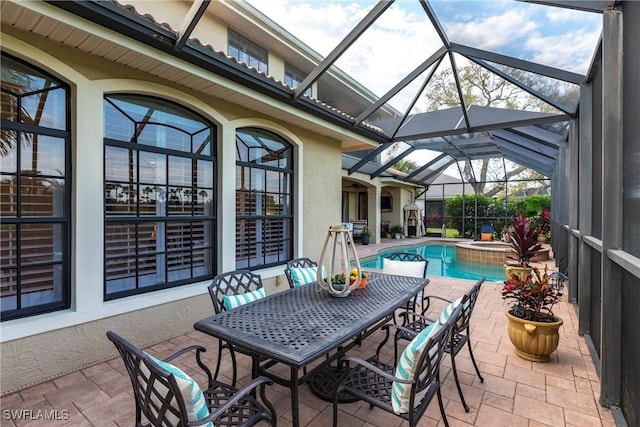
[358, 226]
[405, 391]
[486, 232]
[405, 264]
[300, 275]
[169, 397]
[231, 289]
[558, 280]
[384, 228]
[414, 323]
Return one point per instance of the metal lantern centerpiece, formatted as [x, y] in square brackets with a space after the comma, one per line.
[338, 253]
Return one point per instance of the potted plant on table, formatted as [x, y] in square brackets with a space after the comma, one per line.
[365, 235]
[533, 328]
[523, 238]
[339, 280]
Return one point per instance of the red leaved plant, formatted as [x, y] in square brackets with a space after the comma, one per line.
[533, 298]
[523, 238]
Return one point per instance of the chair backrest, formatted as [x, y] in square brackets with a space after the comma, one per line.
[416, 265]
[358, 226]
[468, 302]
[429, 363]
[486, 232]
[232, 283]
[558, 280]
[420, 363]
[156, 392]
[486, 228]
[297, 263]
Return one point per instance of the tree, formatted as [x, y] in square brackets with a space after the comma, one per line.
[402, 165]
[480, 86]
[16, 82]
[536, 184]
[492, 211]
[405, 165]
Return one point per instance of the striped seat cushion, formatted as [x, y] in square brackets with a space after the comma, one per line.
[407, 364]
[303, 275]
[233, 301]
[192, 395]
[401, 393]
[444, 316]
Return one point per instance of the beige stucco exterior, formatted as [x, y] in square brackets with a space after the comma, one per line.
[400, 196]
[36, 358]
[41, 347]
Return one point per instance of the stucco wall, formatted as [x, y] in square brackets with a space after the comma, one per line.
[42, 347]
[36, 358]
[321, 194]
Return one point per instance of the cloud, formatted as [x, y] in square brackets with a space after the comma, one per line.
[492, 32]
[556, 14]
[320, 25]
[571, 51]
[391, 48]
[403, 37]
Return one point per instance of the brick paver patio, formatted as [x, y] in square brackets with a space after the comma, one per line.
[563, 392]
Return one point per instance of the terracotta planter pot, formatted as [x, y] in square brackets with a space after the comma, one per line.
[533, 341]
[542, 238]
[522, 272]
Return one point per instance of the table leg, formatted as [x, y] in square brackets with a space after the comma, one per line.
[255, 370]
[294, 397]
[323, 384]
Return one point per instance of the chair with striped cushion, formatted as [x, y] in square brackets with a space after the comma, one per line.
[415, 323]
[169, 397]
[231, 284]
[405, 264]
[300, 271]
[407, 390]
[234, 301]
[228, 291]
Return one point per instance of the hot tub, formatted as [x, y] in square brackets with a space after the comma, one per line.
[490, 252]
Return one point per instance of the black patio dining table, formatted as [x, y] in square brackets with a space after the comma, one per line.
[299, 326]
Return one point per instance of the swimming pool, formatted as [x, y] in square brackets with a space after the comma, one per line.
[442, 262]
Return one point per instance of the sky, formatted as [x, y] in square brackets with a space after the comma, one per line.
[557, 37]
[403, 37]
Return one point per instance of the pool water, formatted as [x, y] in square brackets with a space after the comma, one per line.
[442, 262]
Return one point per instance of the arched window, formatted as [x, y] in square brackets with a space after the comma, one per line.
[35, 188]
[160, 205]
[264, 199]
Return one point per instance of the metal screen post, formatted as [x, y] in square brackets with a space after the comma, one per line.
[612, 162]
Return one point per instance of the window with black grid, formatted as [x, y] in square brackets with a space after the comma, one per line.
[264, 199]
[293, 77]
[244, 50]
[159, 195]
[35, 188]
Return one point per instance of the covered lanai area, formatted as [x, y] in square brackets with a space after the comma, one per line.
[325, 96]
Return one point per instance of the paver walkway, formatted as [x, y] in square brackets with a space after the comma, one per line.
[563, 392]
